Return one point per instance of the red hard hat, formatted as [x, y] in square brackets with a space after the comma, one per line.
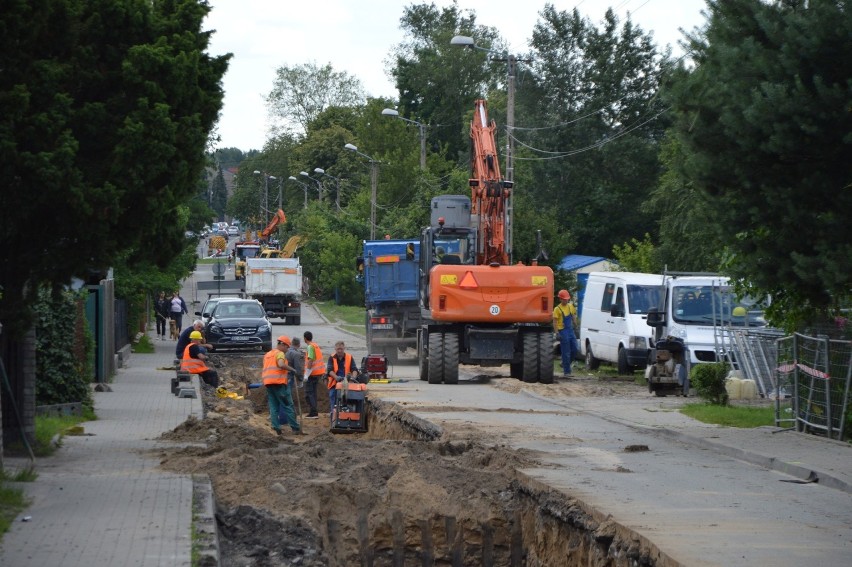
[563, 294]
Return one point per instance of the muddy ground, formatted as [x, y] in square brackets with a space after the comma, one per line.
[403, 493]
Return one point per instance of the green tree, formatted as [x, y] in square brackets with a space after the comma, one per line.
[105, 111]
[765, 125]
[595, 121]
[105, 107]
[638, 256]
[301, 92]
[438, 82]
[219, 193]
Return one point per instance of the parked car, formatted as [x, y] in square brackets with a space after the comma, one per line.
[207, 308]
[233, 230]
[238, 324]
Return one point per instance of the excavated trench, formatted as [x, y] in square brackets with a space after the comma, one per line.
[406, 492]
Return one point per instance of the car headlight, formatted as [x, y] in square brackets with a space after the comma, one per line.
[678, 333]
[215, 329]
[637, 342]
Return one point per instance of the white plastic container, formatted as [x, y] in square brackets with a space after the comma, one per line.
[734, 387]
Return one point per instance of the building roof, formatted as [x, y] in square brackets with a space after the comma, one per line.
[573, 262]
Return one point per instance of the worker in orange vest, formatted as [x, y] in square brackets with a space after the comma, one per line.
[194, 360]
[314, 370]
[340, 365]
[274, 375]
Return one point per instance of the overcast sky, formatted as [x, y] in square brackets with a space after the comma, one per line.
[358, 36]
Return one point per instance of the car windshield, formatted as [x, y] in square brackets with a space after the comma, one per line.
[642, 297]
[702, 305]
[236, 310]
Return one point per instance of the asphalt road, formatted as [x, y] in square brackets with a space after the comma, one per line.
[697, 505]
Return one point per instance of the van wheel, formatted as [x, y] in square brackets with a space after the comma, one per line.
[592, 363]
[623, 367]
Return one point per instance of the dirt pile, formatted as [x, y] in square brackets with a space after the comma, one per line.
[377, 498]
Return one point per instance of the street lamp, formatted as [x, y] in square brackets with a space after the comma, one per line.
[374, 182]
[264, 204]
[304, 188]
[420, 125]
[319, 185]
[511, 60]
[321, 171]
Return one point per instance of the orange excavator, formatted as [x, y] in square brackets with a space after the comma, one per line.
[279, 218]
[477, 307]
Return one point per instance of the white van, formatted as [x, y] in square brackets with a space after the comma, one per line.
[697, 307]
[613, 323]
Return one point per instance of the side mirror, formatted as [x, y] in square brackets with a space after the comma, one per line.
[656, 318]
[616, 310]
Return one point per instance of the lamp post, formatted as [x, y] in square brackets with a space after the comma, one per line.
[322, 172]
[511, 60]
[304, 188]
[319, 185]
[264, 204]
[374, 182]
[420, 125]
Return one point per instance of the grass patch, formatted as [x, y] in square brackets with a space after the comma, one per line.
[344, 315]
[144, 346]
[731, 416]
[48, 427]
[12, 501]
[222, 260]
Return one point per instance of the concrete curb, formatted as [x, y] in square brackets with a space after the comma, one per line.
[206, 535]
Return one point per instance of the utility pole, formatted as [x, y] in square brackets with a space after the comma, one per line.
[374, 182]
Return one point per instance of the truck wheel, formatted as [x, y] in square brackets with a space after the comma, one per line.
[422, 359]
[623, 367]
[530, 355]
[435, 358]
[545, 358]
[297, 320]
[592, 363]
[451, 358]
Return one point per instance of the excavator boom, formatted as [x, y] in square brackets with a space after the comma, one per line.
[279, 218]
[488, 191]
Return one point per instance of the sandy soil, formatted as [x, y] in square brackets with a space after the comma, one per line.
[375, 498]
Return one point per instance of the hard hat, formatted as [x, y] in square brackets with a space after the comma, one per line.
[195, 335]
[563, 294]
[739, 311]
[284, 339]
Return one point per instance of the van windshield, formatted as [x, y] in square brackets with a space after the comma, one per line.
[702, 305]
[641, 298]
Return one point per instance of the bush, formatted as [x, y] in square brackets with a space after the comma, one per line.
[709, 382]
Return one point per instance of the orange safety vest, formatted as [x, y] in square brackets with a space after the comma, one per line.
[192, 365]
[272, 373]
[347, 366]
[318, 366]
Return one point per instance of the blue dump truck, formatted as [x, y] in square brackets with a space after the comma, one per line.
[390, 273]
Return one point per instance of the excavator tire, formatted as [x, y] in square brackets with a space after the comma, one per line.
[436, 354]
[451, 358]
[545, 357]
[530, 372]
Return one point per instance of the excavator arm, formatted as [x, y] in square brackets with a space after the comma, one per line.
[488, 191]
[279, 218]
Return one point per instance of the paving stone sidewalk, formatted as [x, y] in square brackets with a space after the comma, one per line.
[101, 500]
